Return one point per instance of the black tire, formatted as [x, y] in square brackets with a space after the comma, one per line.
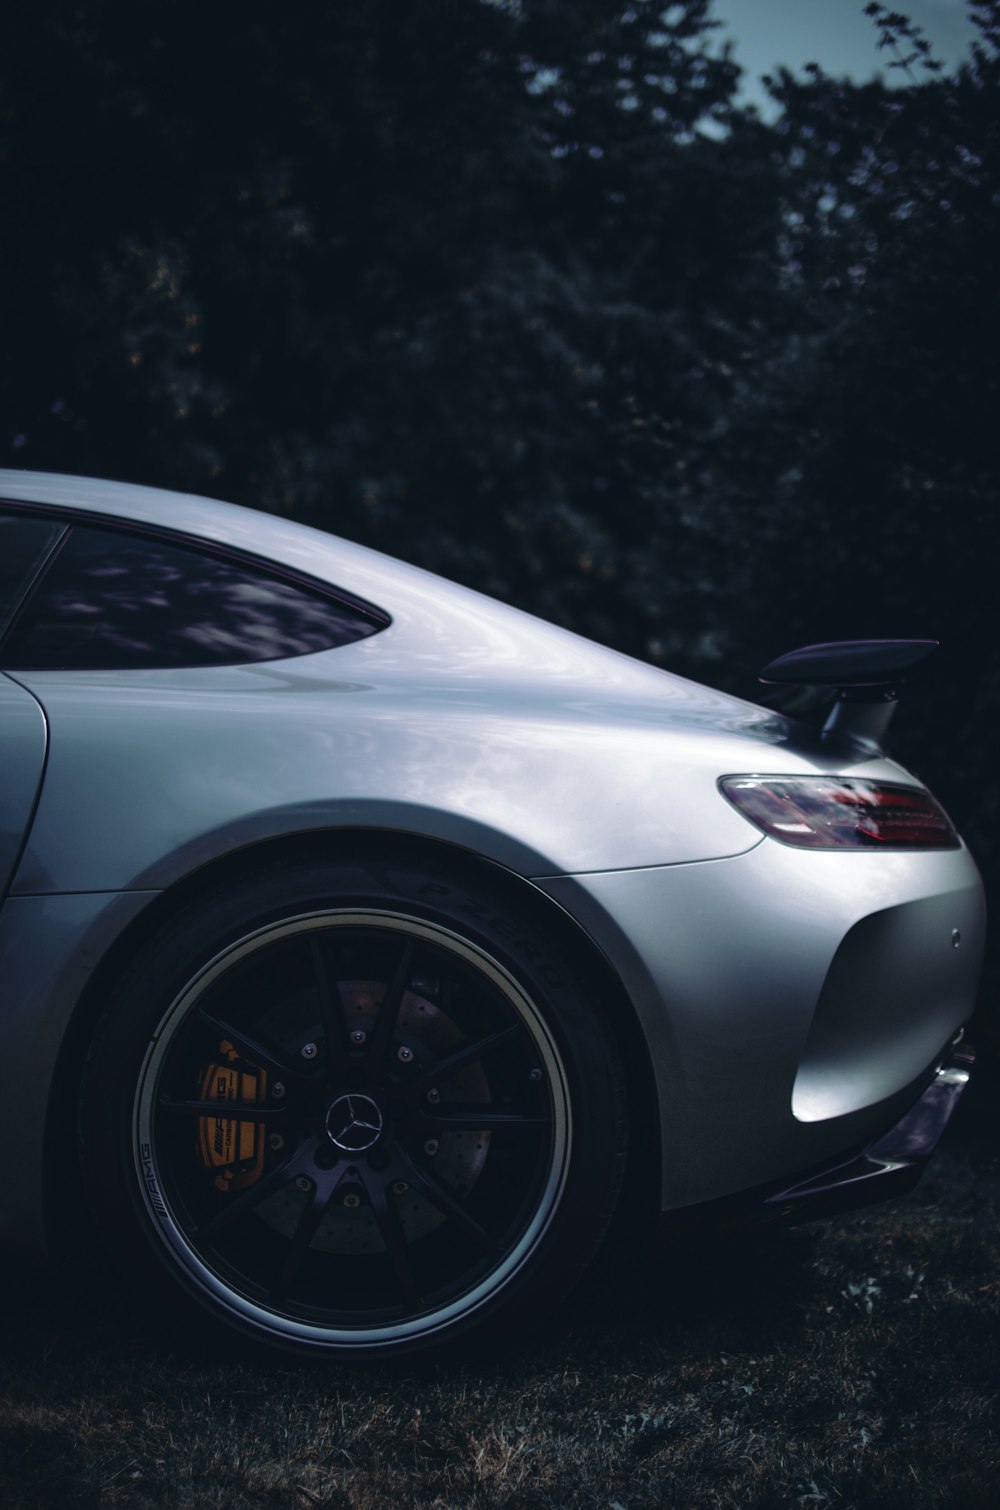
[432, 1131]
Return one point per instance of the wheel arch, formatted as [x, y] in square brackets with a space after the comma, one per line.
[591, 966]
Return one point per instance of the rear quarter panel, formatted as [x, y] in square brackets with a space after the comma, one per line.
[153, 773]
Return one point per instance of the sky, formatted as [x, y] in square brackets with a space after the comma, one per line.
[835, 33]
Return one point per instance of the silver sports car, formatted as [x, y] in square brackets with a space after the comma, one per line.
[357, 931]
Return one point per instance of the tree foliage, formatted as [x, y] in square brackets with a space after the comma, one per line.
[466, 279]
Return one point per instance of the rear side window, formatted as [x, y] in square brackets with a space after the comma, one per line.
[114, 601]
[24, 544]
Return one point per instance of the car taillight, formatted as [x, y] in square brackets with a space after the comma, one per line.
[841, 812]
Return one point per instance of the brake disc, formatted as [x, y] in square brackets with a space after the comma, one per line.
[425, 1033]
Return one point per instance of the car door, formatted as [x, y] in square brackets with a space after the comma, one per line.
[22, 754]
[25, 545]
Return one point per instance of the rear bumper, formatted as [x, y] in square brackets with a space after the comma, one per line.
[888, 1166]
[794, 1003]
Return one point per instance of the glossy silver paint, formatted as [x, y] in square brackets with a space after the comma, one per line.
[791, 1001]
[727, 962]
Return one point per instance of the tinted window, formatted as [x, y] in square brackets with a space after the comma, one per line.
[24, 542]
[113, 601]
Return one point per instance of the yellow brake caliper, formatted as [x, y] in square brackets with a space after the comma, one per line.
[235, 1149]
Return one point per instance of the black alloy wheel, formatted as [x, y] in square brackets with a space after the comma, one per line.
[354, 1122]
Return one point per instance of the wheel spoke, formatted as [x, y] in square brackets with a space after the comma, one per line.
[470, 1120]
[248, 1047]
[274, 1180]
[229, 1111]
[388, 1009]
[439, 1196]
[331, 1008]
[470, 1053]
[391, 1229]
[308, 1225]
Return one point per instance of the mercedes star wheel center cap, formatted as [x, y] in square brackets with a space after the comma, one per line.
[354, 1123]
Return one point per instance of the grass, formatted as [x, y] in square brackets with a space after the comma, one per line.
[849, 1363]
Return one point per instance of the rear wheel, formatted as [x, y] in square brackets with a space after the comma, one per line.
[352, 1111]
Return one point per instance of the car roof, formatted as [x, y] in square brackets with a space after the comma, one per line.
[286, 542]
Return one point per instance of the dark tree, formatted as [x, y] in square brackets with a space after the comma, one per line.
[462, 278]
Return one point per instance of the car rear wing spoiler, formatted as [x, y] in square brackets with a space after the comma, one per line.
[865, 674]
